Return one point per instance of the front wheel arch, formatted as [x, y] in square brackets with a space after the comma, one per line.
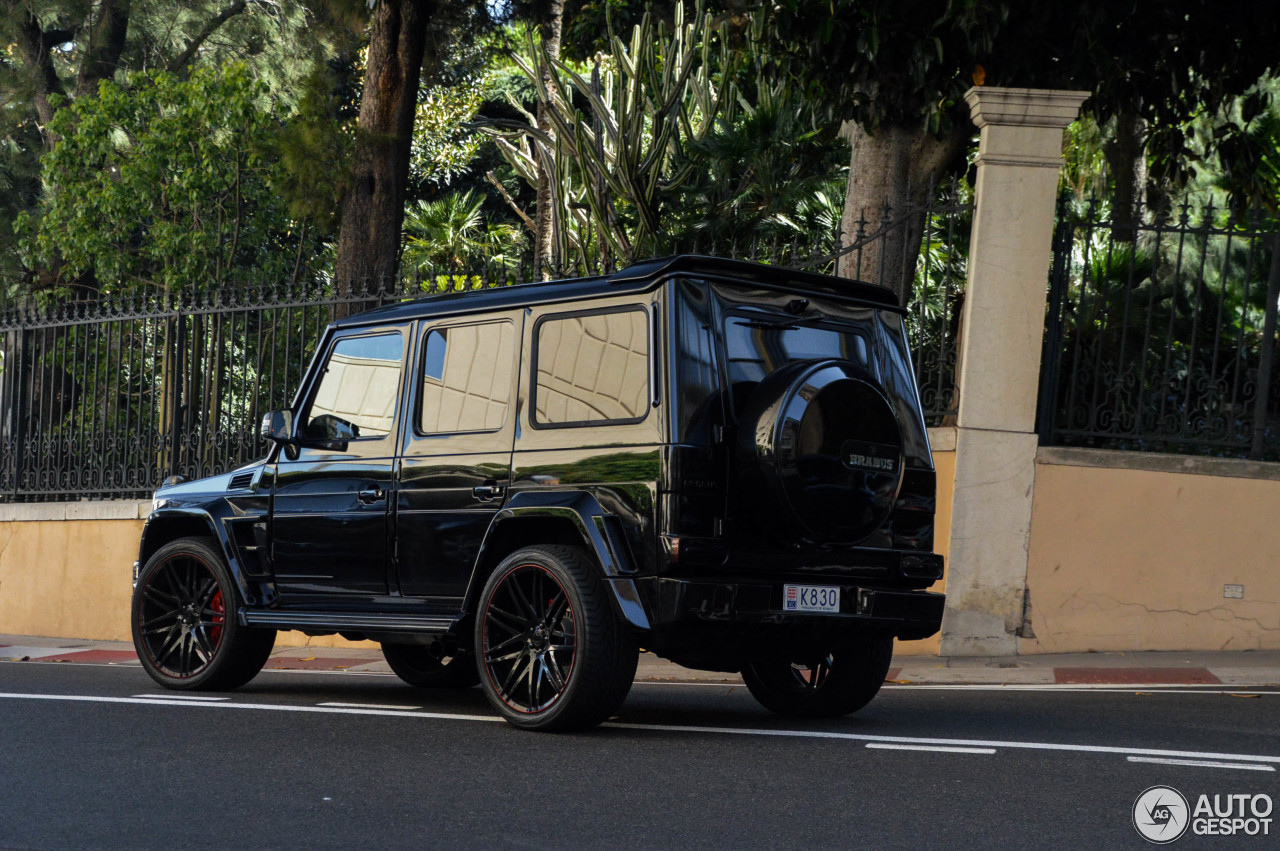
[165, 528]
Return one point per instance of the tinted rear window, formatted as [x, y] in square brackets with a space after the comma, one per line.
[757, 345]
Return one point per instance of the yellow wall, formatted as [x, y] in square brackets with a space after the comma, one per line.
[68, 578]
[74, 578]
[1136, 559]
[944, 461]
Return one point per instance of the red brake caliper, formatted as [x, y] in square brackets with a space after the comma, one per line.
[219, 617]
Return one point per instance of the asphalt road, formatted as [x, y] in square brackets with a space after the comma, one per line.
[100, 757]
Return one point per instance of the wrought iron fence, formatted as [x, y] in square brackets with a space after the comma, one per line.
[1161, 335]
[933, 284]
[105, 398]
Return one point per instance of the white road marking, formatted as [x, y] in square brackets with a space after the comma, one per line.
[914, 740]
[723, 684]
[888, 747]
[276, 707]
[323, 673]
[678, 728]
[1199, 763]
[1154, 688]
[367, 706]
[195, 697]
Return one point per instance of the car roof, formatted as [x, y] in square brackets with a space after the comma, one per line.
[636, 278]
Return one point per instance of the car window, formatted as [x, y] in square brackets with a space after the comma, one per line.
[592, 368]
[358, 389]
[466, 378]
[758, 345]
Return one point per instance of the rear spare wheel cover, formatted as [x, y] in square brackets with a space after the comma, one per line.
[823, 452]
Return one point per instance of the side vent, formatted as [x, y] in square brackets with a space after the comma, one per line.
[249, 535]
[241, 481]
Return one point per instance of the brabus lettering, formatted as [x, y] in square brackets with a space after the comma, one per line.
[870, 457]
[871, 463]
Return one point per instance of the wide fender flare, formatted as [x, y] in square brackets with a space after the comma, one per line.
[599, 534]
[216, 530]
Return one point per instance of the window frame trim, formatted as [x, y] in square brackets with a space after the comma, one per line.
[643, 309]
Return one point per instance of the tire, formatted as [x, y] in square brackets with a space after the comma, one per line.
[552, 655]
[184, 625]
[843, 680]
[414, 664]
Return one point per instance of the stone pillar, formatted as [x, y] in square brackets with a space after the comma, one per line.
[998, 369]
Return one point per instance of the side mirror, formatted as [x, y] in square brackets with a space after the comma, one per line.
[277, 426]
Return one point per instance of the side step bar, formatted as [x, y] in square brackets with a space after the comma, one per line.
[336, 622]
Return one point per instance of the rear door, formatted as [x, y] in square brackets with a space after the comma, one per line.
[330, 511]
[458, 439]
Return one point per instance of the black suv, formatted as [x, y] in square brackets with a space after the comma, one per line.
[721, 462]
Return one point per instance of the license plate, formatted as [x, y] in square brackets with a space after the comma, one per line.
[810, 598]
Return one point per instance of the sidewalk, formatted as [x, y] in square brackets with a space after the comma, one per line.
[1236, 668]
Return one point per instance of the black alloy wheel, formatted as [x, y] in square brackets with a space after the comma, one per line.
[552, 654]
[183, 619]
[821, 684]
[530, 638]
[419, 667]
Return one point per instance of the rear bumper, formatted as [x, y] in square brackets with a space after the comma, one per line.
[864, 608]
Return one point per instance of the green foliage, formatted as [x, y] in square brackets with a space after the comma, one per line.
[672, 141]
[764, 173]
[314, 147]
[281, 43]
[1241, 152]
[444, 142]
[619, 135]
[19, 187]
[1084, 170]
[452, 234]
[168, 182]
[876, 61]
[589, 25]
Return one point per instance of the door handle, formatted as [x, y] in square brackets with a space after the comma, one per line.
[371, 495]
[488, 492]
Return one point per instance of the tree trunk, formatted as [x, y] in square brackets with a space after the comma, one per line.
[106, 43]
[544, 216]
[373, 208]
[33, 46]
[890, 172]
[1126, 154]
